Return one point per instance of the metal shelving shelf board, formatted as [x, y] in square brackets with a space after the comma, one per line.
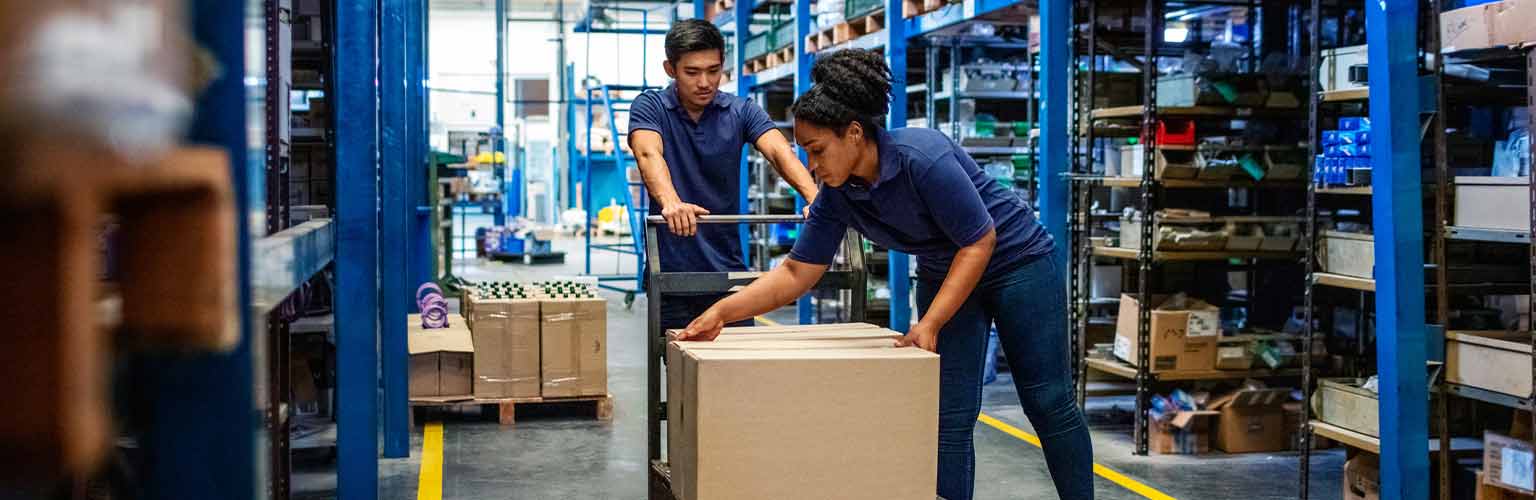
[1135, 182]
[776, 73]
[1351, 190]
[1125, 370]
[995, 150]
[1487, 235]
[1173, 256]
[1359, 94]
[1348, 437]
[1196, 111]
[1342, 281]
[1487, 396]
[993, 95]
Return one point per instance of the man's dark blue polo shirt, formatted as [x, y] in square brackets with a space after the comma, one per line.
[704, 158]
[929, 200]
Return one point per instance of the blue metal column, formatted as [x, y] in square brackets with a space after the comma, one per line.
[898, 270]
[1391, 33]
[423, 267]
[498, 134]
[357, 241]
[201, 411]
[393, 147]
[1055, 67]
[742, 30]
[803, 63]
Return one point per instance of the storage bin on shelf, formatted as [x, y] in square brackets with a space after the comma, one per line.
[1175, 230]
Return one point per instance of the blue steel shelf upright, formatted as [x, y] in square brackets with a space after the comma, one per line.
[605, 175]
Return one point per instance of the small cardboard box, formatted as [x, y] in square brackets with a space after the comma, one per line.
[442, 359]
[1493, 202]
[1183, 336]
[573, 347]
[1234, 353]
[507, 350]
[1251, 420]
[1187, 433]
[1362, 478]
[1507, 463]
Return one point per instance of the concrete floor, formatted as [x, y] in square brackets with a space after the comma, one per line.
[572, 457]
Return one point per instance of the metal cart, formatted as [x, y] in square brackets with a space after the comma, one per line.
[849, 276]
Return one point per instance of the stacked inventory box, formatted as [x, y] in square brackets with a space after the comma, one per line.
[787, 412]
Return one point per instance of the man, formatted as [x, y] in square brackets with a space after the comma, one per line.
[688, 142]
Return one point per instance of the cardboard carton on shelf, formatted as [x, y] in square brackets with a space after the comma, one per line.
[1186, 433]
[755, 407]
[1507, 463]
[1509, 22]
[573, 347]
[442, 359]
[1487, 491]
[1251, 420]
[1184, 333]
[1497, 360]
[1362, 478]
[507, 348]
[1493, 202]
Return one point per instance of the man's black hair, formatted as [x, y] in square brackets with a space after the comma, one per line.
[693, 35]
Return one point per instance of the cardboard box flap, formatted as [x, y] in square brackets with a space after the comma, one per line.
[440, 340]
[875, 343]
[1183, 419]
[895, 353]
[1251, 398]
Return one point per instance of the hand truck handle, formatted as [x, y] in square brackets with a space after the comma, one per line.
[656, 220]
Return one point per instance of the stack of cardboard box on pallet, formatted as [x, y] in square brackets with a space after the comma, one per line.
[816, 411]
[515, 341]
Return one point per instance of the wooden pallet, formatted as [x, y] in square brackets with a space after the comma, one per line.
[506, 408]
[914, 8]
[770, 60]
[871, 23]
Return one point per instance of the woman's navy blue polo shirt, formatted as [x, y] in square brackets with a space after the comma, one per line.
[930, 200]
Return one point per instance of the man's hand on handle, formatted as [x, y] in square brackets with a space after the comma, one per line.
[683, 218]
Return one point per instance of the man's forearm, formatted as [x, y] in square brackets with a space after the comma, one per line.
[789, 167]
[658, 181]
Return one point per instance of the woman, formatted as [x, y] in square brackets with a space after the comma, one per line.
[982, 258]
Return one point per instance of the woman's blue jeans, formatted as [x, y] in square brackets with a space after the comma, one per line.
[1029, 306]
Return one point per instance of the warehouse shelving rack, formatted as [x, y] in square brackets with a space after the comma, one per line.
[1089, 125]
[1396, 197]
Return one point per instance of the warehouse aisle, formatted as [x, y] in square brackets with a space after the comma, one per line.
[551, 456]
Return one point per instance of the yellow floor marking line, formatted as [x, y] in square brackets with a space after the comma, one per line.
[1133, 485]
[429, 484]
[766, 321]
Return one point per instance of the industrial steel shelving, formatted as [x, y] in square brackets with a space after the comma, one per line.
[1088, 125]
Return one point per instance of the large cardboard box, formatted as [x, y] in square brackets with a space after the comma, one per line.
[1507, 463]
[1251, 420]
[1362, 478]
[507, 350]
[442, 359]
[1466, 28]
[1514, 21]
[1184, 333]
[573, 347]
[1350, 254]
[794, 423]
[1493, 202]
